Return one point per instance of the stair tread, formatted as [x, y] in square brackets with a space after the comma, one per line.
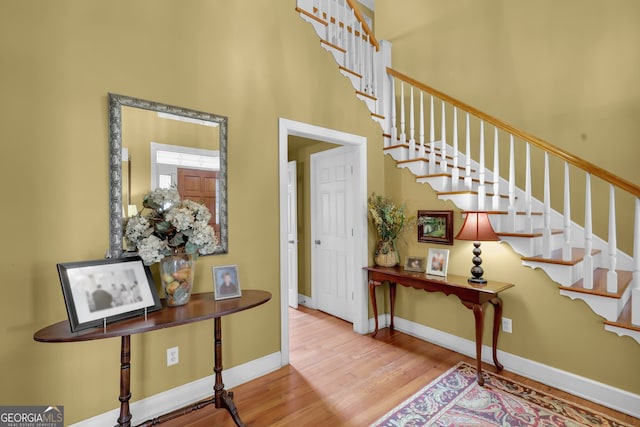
[507, 213]
[577, 255]
[537, 232]
[624, 320]
[445, 193]
[600, 284]
[350, 71]
[331, 45]
[366, 95]
[434, 175]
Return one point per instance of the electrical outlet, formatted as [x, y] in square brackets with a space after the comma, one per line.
[507, 325]
[173, 356]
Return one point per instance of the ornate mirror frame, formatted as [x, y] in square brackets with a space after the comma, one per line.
[116, 102]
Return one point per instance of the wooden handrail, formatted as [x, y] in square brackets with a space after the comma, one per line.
[543, 145]
[365, 27]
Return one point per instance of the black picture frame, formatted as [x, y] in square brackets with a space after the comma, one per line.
[435, 227]
[106, 290]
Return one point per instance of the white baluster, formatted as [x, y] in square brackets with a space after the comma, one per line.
[367, 64]
[343, 34]
[412, 130]
[394, 129]
[443, 134]
[566, 220]
[374, 73]
[482, 189]
[403, 135]
[361, 55]
[352, 39]
[468, 180]
[330, 25]
[635, 284]
[587, 262]
[455, 172]
[612, 274]
[422, 148]
[511, 210]
[496, 171]
[528, 220]
[546, 232]
[432, 142]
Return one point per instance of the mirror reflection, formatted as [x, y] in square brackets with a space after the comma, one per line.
[164, 146]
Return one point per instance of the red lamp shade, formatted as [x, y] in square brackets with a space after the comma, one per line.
[477, 228]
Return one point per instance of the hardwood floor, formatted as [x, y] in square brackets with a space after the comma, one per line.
[339, 378]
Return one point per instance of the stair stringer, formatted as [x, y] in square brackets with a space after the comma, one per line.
[561, 274]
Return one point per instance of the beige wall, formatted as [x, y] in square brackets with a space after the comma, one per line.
[558, 70]
[253, 64]
[563, 71]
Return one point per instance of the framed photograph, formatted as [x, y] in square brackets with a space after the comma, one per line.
[416, 264]
[226, 283]
[106, 289]
[437, 262]
[435, 227]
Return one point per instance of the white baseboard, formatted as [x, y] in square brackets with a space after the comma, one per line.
[306, 301]
[185, 394]
[586, 388]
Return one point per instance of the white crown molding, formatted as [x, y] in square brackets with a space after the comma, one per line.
[369, 4]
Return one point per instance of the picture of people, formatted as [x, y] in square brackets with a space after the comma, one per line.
[225, 282]
[437, 262]
[109, 290]
[414, 264]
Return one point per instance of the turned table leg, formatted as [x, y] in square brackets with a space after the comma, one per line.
[222, 398]
[124, 420]
[497, 321]
[478, 314]
[374, 304]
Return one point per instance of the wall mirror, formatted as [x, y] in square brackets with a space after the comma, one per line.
[157, 145]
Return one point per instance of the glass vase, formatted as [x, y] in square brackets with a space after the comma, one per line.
[177, 273]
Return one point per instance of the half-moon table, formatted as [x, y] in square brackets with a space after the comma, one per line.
[201, 307]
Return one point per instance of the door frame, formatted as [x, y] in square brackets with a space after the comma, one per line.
[286, 128]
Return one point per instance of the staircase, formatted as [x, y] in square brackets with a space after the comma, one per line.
[585, 266]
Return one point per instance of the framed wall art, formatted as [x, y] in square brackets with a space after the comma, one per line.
[106, 290]
[416, 264]
[226, 282]
[435, 227]
[438, 262]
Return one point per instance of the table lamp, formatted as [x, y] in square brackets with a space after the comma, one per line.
[477, 228]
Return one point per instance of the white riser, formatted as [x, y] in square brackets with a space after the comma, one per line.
[635, 305]
[563, 274]
[609, 308]
[337, 54]
[370, 103]
[355, 80]
[527, 246]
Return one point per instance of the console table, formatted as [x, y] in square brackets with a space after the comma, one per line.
[201, 307]
[472, 297]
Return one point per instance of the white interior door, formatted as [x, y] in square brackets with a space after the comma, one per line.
[332, 231]
[292, 232]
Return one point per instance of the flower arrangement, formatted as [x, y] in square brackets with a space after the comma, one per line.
[172, 226]
[388, 219]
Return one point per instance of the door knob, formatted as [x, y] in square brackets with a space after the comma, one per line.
[318, 242]
[292, 241]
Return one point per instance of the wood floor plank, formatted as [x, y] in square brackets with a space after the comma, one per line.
[339, 378]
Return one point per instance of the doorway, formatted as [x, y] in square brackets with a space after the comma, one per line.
[357, 145]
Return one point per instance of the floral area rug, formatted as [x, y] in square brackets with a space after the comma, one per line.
[455, 399]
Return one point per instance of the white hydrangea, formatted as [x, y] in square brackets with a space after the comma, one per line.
[205, 238]
[151, 249]
[138, 227]
[182, 218]
[162, 198]
[201, 212]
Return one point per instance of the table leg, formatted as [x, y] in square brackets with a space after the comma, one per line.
[497, 322]
[222, 398]
[372, 295]
[124, 420]
[478, 314]
[392, 297]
